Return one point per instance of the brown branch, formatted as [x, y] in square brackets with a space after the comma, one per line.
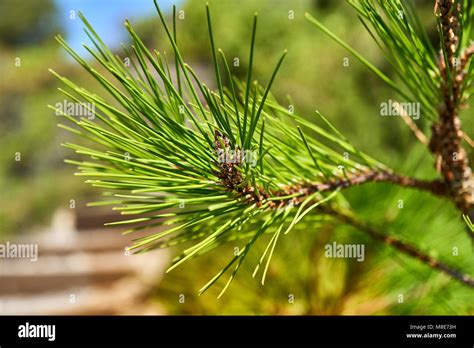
[232, 180]
[445, 142]
[436, 187]
[401, 246]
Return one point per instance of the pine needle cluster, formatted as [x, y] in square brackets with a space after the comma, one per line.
[159, 133]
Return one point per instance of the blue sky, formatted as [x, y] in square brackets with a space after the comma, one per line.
[106, 16]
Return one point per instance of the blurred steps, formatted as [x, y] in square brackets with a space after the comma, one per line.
[80, 272]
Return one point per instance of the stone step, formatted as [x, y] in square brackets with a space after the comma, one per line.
[124, 296]
[80, 272]
[75, 269]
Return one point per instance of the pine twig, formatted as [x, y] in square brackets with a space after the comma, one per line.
[402, 246]
[161, 172]
[436, 187]
[446, 137]
[231, 179]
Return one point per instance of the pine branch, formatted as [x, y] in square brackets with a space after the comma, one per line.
[401, 246]
[231, 165]
[447, 133]
[436, 187]
[232, 180]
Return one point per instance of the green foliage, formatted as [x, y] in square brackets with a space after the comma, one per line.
[26, 22]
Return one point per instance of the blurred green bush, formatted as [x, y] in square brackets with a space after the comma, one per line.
[33, 179]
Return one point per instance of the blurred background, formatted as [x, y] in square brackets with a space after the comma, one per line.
[83, 267]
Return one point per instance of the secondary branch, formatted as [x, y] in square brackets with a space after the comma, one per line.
[436, 187]
[401, 246]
